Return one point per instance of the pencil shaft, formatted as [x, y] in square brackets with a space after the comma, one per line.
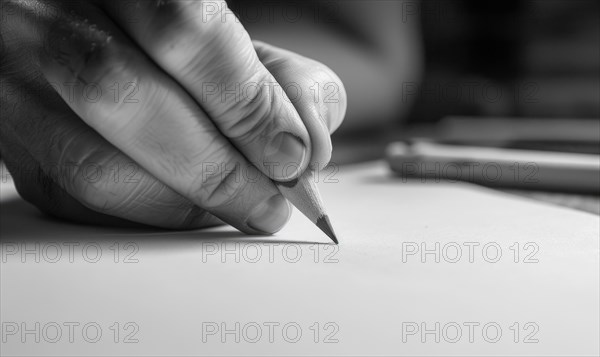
[304, 195]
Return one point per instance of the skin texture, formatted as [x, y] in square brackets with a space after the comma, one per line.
[161, 113]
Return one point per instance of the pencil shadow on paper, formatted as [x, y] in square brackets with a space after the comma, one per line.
[22, 222]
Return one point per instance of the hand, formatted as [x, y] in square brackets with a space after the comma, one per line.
[157, 112]
[381, 62]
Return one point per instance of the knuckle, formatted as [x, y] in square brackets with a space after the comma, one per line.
[334, 99]
[219, 186]
[246, 120]
[106, 64]
[198, 218]
[330, 100]
[330, 78]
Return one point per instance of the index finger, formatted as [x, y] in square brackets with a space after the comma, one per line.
[162, 129]
[204, 47]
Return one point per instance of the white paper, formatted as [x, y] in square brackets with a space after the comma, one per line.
[170, 291]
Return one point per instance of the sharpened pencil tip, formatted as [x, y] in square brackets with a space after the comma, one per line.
[325, 225]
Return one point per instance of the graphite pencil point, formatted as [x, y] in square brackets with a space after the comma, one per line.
[304, 195]
[325, 225]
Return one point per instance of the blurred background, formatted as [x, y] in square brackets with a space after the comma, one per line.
[408, 63]
[542, 54]
[513, 73]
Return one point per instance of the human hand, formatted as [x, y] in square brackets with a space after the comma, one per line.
[157, 112]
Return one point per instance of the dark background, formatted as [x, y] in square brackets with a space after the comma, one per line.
[544, 54]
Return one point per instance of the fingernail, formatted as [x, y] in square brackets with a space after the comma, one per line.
[284, 157]
[270, 215]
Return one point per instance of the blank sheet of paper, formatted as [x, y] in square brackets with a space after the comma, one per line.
[421, 269]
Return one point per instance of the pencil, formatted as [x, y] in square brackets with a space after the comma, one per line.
[515, 168]
[304, 195]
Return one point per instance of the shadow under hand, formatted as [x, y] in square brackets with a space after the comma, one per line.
[22, 222]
